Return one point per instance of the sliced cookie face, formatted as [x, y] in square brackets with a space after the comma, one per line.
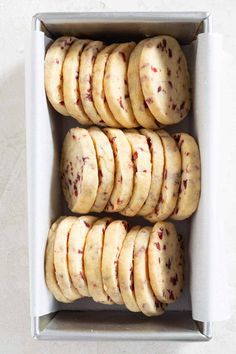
[88, 57]
[106, 168]
[126, 270]
[124, 171]
[165, 79]
[98, 93]
[190, 186]
[171, 179]
[71, 93]
[140, 108]
[157, 163]
[60, 259]
[142, 171]
[93, 261]
[116, 85]
[145, 298]
[50, 276]
[114, 236]
[53, 78]
[76, 244]
[166, 262]
[79, 171]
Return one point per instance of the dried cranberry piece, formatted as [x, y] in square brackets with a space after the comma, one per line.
[154, 69]
[149, 100]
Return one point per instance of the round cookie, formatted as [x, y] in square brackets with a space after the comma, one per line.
[126, 269]
[190, 186]
[114, 236]
[145, 298]
[106, 168]
[76, 244]
[141, 111]
[60, 258]
[142, 171]
[166, 262]
[53, 79]
[116, 87]
[157, 162]
[171, 179]
[50, 276]
[124, 171]
[87, 60]
[71, 68]
[93, 261]
[98, 94]
[165, 79]
[79, 171]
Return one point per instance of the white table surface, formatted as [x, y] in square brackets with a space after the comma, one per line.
[15, 24]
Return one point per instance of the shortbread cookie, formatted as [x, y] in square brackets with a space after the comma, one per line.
[53, 79]
[71, 93]
[171, 179]
[165, 79]
[106, 168]
[142, 171]
[157, 160]
[166, 262]
[116, 86]
[145, 298]
[140, 108]
[98, 94]
[50, 276]
[76, 244]
[79, 171]
[190, 186]
[93, 261]
[114, 236]
[88, 57]
[61, 258]
[124, 171]
[126, 270]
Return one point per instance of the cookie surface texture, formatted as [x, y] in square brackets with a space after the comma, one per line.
[126, 270]
[79, 171]
[157, 161]
[140, 108]
[190, 187]
[93, 261]
[171, 179]
[145, 298]
[71, 93]
[98, 93]
[166, 262]
[60, 258]
[142, 171]
[116, 85]
[53, 78]
[88, 57]
[76, 245]
[165, 79]
[106, 168]
[50, 276]
[114, 236]
[124, 171]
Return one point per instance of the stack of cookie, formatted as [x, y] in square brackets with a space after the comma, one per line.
[141, 267]
[134, 172]
[120, 85]
[145, 172]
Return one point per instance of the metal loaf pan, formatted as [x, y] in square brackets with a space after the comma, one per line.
[89, 321]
